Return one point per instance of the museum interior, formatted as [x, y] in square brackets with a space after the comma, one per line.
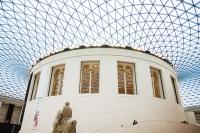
[92, 66]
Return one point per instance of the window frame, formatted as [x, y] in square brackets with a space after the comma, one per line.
[133, 66]
[175, 91]
[34, 91]
[90, 83]
[161, 83]
[51, 79]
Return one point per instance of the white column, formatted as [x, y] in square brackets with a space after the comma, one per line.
[43, 85]
[72, 78]
[167, 86]
[143, 79]
[108, 76]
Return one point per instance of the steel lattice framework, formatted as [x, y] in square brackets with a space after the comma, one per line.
[31, 29]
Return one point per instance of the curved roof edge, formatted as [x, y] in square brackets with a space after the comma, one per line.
[103, 46]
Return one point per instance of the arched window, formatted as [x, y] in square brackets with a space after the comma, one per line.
[35, 85]
[157, 83]
[175, 89]
[89, 77]
[126, 78]
[57, 80]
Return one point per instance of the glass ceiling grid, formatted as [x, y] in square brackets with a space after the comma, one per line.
[31, 29]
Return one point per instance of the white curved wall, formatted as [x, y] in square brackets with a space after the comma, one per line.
[107, 108]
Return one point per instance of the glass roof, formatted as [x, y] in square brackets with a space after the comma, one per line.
[31, 29]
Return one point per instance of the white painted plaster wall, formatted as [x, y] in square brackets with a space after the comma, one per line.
[107, 108]
[190, 117]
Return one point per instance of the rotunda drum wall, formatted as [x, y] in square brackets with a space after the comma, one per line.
[98, 82]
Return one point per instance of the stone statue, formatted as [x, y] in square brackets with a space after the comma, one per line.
[63, 124]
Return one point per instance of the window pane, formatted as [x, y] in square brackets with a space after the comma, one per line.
[129, 80]
[156, 83]
[61, 80]
[35, 85]
[57, 80]
[85, 79]
[55, 83]
[90, 77]
[121, 85]
[95, 78]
